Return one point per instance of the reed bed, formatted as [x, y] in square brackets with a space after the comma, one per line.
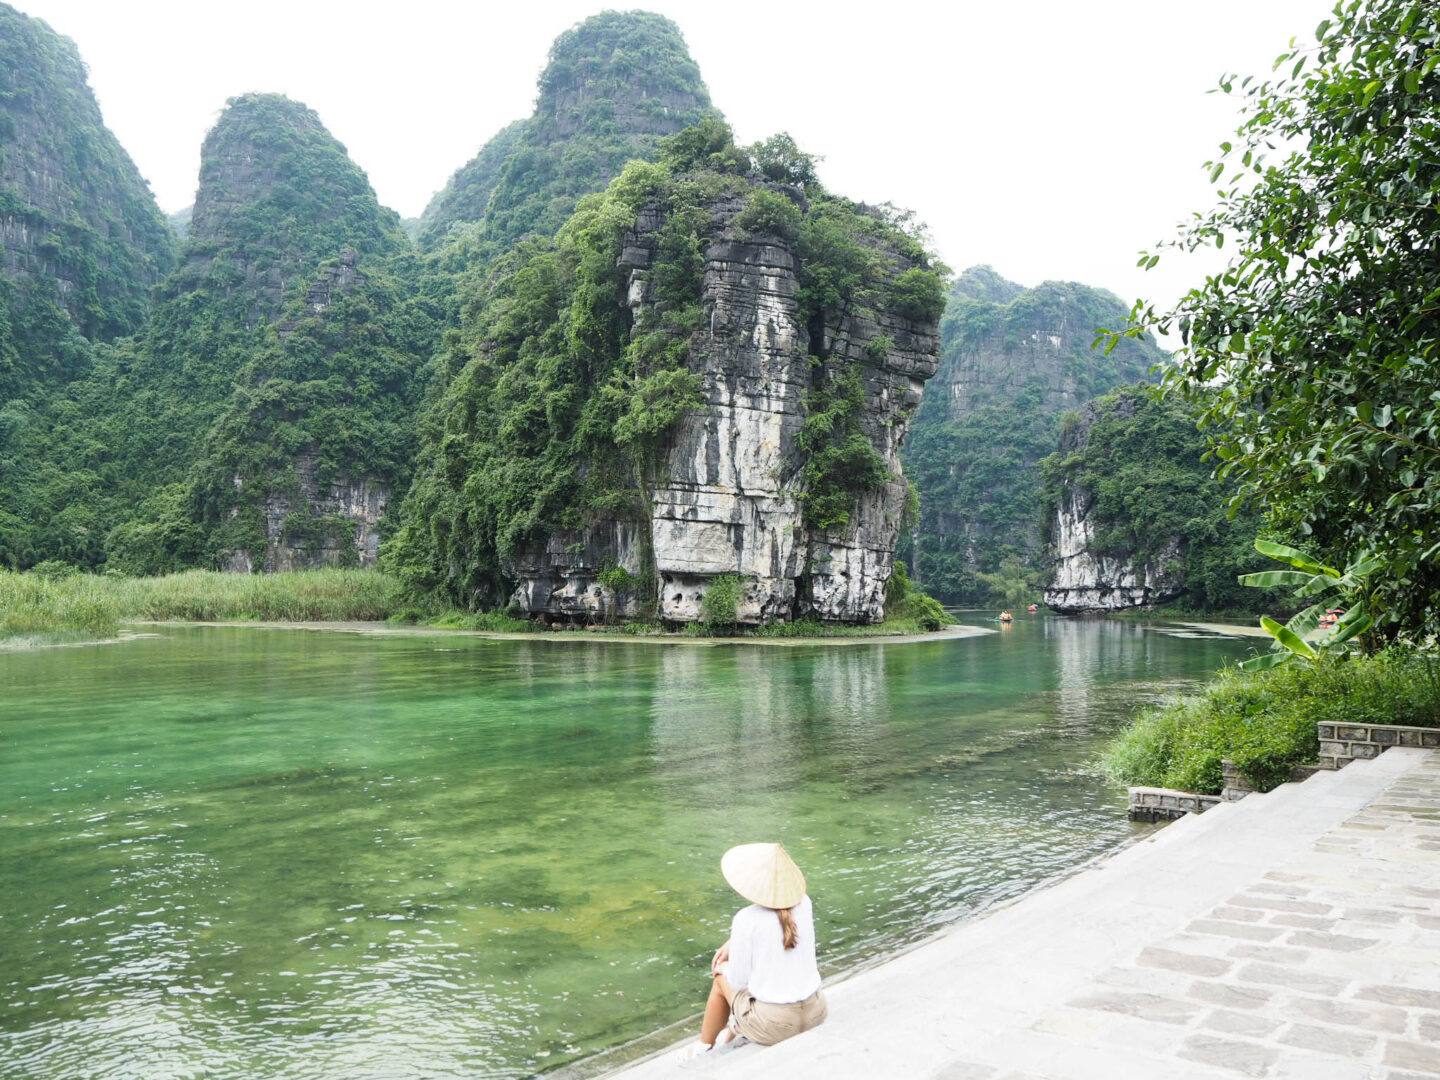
[36, 609]
[329, 595]
[34, 605]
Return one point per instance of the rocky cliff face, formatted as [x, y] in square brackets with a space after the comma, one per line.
[331, 524]
[1084, 575]
[1013, 361]
[1083, 580]
[613, 86]
[78, 225]
[727, 497]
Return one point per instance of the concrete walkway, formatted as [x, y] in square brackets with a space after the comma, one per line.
[1294, 935]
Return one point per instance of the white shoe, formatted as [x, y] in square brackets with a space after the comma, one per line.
[730, 1039]
[686, 1054]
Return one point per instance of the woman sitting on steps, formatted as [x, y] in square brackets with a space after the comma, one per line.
[765, 979]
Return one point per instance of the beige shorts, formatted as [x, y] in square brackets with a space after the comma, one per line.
[767, 1024]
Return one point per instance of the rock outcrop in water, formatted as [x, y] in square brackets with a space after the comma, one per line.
[712, 397]
[1134, 517]
[727, 497]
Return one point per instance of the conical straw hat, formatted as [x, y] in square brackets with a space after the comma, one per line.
[763, 874]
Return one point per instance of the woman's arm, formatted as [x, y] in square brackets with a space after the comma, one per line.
[737, 972]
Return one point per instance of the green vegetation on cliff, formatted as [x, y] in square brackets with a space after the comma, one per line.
[1013, 361]
[614, 85]
[1141, 460]
[555, 404]
[292, 330]
[83, 241]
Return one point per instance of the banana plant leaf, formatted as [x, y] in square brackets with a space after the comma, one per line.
[1264, 660]
[1269, 579]
[1297, 559]
[1289, 638]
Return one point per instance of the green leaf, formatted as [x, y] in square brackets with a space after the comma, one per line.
[1271, 579]
[1263, 661]
[1345, 631]
[1287, 637]
[1412, 82]
[1297, 559]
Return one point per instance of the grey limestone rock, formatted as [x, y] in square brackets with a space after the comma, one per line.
[727, 497]
[1083, 578]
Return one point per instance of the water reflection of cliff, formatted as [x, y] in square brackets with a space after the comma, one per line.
[757, 721]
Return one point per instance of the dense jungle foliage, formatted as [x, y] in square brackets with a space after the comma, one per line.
[1313, 357]
[613, 86]
[161, 456]
[97, 240]
[1013, 361]
[555, 407]
[1142, 461]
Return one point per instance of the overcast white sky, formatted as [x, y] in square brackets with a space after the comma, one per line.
[1050, 139]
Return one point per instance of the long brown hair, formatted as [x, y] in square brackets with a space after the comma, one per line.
[788, 929]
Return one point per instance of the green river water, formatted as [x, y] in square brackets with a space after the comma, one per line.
[236, 853]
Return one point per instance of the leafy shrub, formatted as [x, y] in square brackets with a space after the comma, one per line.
[779, 158]
[918, 294]
[904, 600]
[720, 607]
[1264, 721]
[768, 213]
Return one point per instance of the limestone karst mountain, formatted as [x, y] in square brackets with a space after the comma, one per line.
[614, 85]
[704, 386]
[695, 380]
[1013, 362]
[265, 407]
[81, 239]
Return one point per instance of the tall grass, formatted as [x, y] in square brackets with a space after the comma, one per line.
[301, 596]
[34, 605]
[1265, 721]
[34, 608]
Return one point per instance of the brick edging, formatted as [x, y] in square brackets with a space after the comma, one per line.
[1341, 744]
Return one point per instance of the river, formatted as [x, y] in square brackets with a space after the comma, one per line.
[236, 853]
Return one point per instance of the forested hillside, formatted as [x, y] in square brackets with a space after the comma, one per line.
[614, 85]
[81, 245]
[280, 359]
[1013, 362]
[81, 239]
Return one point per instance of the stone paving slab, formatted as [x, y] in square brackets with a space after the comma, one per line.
[1289, 935]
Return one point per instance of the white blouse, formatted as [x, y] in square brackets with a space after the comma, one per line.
[760, 962]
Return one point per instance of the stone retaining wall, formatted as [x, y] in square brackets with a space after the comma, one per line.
[1166, 804]
[1341, 744]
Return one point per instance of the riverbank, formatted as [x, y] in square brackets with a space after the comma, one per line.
[948, 633]
[62, 606]
[1292, 934]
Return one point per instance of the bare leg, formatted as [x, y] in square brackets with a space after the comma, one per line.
[717, 1011]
